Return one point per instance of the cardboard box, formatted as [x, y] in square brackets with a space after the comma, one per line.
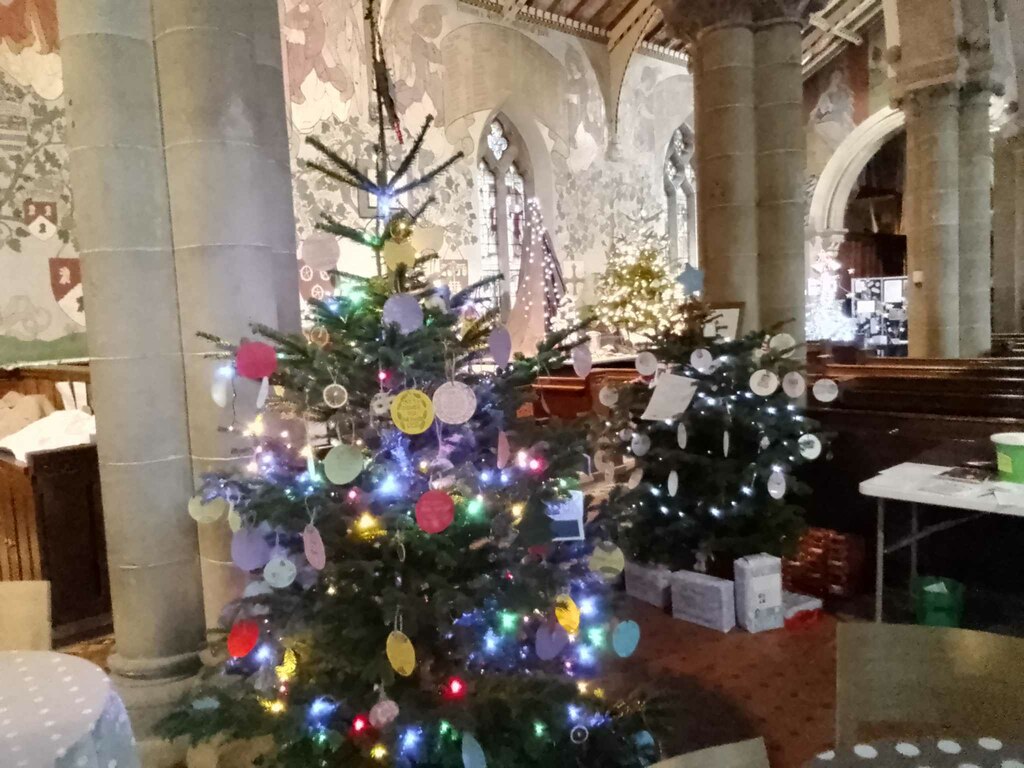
[649, 583]
[704, 600]
[759, 592]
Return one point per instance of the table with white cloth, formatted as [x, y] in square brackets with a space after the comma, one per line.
[930, 752]
[59, 711]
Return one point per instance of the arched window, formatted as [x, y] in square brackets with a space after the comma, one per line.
[504, 186]
[681, 199]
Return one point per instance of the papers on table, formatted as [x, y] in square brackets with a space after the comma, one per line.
[927, 484]
[672, 395]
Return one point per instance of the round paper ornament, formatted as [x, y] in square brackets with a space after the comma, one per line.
[207, 512]
[318, 335]
[255, 360]
[567, 613]
[342, 464]
[550, 641]
[776, 484]
[701, 359]
[607, 560]
[242, 638]
[635, 478]
[608, 396]
[279, 572]
[810, 447]
[681, 436]
[249, 549]
[435, 511]
[383, 714]
[500, 344]
[640, 444]
[320, 251]
[335, 395]
[220, 390]
[793, 384]
[825, 390]
[403, 310]
[472, 753]
[625, 638]
[504, 450]
[412, 411]
[401, 654]
[646, 364]
[672, 483]
[398, 253]
[582, 361]
[764, 382]
[234, 519]
[782, 344]
[380, 404]
[725, 443]
[454, 402]
[579, 734]
[313, 547]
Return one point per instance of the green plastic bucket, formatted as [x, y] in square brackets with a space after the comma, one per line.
[944, 608]
[1010, 456]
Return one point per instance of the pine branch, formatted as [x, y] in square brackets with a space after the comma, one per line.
[341, 162]
[332, 226]
[430, 175]
[414, 150]
[466, 294]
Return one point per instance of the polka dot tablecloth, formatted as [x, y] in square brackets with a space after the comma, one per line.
[59, 711]
[984, 752]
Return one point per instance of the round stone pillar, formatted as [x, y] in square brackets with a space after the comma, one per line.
[119, 183]
[781, 168]
[933, 212]
[1006, 309]
[975, 222]
[1018, 223]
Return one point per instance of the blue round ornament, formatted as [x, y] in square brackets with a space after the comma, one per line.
[472, 753]
[625, 638]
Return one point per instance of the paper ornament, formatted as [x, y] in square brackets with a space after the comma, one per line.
[234, 519]
[672, 484]
[313, 547]
[255, 589]
[412, 411]
[318, 335]
[220, 390]
[579, 734]
[825, 390]
[793, 384]
[342, 464]
[504, 450]
[608, 396]
[242, 638]
[383, 714]
[403, 310]
[646, 364]
[782, 344]
[725, 443]
[625, 638]
[249, 549]
[435, 511]
[380, 404]
[255, 360]
[701, 359]
[550, 641]
[207, 511]
[567, 517]
[640, 444]
[401, 654]
[635, 478]
[765, 443]
[681, 436]
[472, 753]
[582, 361]
[607, 560]
[567, 613]
[810, 447]
[764, 382]
[500, 344]
[672, 395]
[279, 572]
[335, 395]
[776, 484]
[398, 253]
[454, 402]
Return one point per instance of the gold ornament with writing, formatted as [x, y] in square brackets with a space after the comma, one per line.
[412, 411]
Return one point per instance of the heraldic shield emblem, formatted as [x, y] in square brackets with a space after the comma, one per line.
[66, 284]
[40, 218]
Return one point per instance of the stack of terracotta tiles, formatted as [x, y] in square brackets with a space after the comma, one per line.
[827, 564]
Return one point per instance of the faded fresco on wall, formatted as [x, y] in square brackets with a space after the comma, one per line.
[41, 305]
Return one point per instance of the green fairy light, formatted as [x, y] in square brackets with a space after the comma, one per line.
[509, 621]
[539, 729]
[595, 635]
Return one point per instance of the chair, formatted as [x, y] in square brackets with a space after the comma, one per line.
[903, 680]
[25, 616]
[742, 754]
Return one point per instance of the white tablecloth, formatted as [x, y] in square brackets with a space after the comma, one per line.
[59, 711]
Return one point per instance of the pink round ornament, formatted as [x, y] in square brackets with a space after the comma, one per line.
[383, 713]
[435, 511]
[255, 360]
[313, 547]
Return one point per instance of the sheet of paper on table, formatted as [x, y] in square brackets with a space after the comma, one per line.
[962, 490]
[672, 395]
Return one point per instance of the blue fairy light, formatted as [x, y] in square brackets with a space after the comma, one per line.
[574, 713]
[588, 606]
[491, 641]
[410, 739]
[264, 654]
[321, 707]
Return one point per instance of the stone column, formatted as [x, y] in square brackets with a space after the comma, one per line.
[975, 222]
[781, 168]
[1018, 223]
[119, 183]
[231, 213]
[933, 213]
[1006, 310]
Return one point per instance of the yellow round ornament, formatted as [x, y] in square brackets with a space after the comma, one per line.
[400, 227]
[412, 411]
[397, 253]
[401, 654]
[567, 614]
[607, 560]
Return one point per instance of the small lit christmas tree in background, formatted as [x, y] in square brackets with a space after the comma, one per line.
[409, 603]
[825, 319]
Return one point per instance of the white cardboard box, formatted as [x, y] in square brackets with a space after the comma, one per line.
[759, 592]
[704, 600]
[649, 583]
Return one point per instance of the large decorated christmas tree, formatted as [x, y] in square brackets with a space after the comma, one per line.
[420, 592]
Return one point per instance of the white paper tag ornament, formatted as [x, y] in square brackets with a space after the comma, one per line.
[403, 310]
[825, 390]
[672, 395]
[725, 443]
[793, 384]
[764, 382]
[234, 519]
[810, 447]
[582, 361]
[776, 484]
[263, 394]
[672, 483]
[342, 464]
[635, 478]
[454, 402]
[701, 359]
[646, 364]
[681, 436]
[220, 390]
[279, 572]
[207, 512]
[782, 344]
[608, 396]
[640, 444]
[500, 344]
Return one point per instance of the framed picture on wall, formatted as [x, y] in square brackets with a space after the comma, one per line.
[724, 321]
